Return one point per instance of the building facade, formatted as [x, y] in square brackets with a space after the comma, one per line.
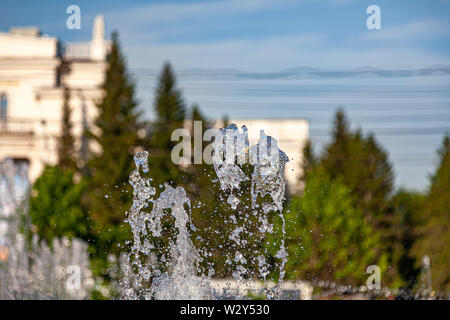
[33, 69]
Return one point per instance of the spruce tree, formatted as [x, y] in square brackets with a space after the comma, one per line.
[435, 234]
[337, 152]
[405, 218]
[114, 138]
[170, 113]
[379, 179]
[364, 167]
[309, 160]
[66, 152]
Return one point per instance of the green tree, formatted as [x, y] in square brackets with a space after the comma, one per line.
[309, 161]
[66, 149]
[363, 166]
[327, 237]
[170, 111]
[405, 218]
[114, 135]
[435, 233]
[55, 205]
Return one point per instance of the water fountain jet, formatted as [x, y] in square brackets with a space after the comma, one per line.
[176, 274]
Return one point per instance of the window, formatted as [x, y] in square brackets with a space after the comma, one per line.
[3, 106]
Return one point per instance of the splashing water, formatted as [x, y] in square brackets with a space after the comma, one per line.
[180, 281]
[41, 272]
[230, 143]
[33, 270]
[174, 273]
[268, 175]
[267, 179]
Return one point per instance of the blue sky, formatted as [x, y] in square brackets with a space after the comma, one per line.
[255, 35]
[268, 35]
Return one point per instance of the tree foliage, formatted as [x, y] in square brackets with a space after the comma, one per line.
[327, 237]
[435, 233]
[55, 206]
[405, 217]
[363, 166]
[170, 113]
[114, 137]
[66, 143]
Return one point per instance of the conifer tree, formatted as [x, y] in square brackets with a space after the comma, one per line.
[405, 218]
[363, 166]
[114, 138]
[309, 160]
[170, 113]
[66, 152]
[435, 234]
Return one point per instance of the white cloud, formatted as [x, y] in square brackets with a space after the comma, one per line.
[248, 54]
[154, 22]
[175, 12]
[413, 30]
[142, 29]
[276, 54]
[152, 15]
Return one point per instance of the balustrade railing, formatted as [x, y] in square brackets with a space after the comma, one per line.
[15, 126]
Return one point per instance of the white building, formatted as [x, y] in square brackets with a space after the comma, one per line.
[33, 68]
